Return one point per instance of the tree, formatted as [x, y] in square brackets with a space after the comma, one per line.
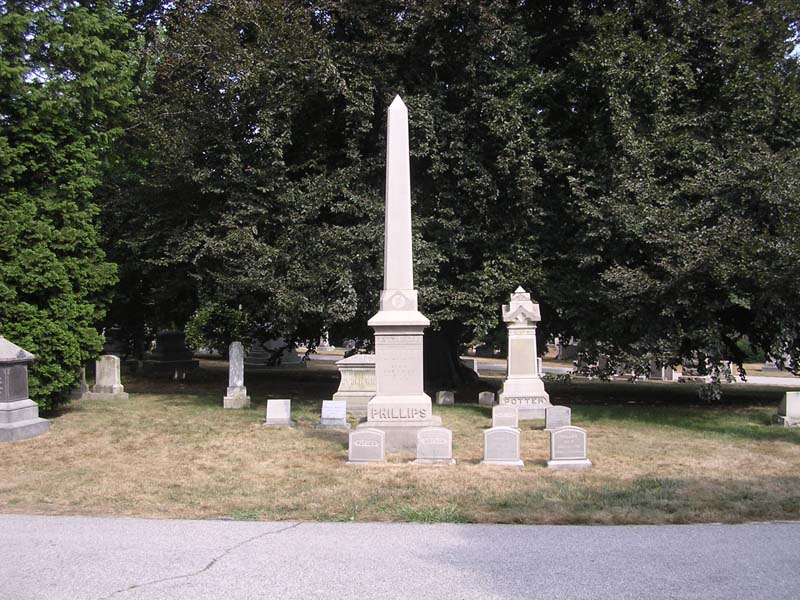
[64, 82]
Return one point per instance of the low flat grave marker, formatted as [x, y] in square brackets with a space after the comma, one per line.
[279, 413]
[557, 416]
[505, 415]
[366, 445]
[334, 415]
[568, 449]
[435, 446]
[501, 447]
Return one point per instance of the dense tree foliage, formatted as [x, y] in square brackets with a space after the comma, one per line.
[632, 163]
[63, 83]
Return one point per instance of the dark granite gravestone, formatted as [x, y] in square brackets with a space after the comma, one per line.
[19, 415]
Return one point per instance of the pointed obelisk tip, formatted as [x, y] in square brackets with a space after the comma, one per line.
[519, 290]
[397, 103]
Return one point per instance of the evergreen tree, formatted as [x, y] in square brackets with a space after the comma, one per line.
[64, 82]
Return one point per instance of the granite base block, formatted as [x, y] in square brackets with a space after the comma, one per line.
[402, 435]
[785, 421]
[573, 465]
[333, 426]
[236, 402]
[503, 463]
[23, 430]
[280, 424]
[105, 396]
[435, 461]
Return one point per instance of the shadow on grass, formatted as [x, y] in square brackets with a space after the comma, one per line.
[751, 424]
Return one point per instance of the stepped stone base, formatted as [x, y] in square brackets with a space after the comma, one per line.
[401, 435]
[574, 465]
[105, 396]
[23, 430]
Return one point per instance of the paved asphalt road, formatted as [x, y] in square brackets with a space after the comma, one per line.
[85, 558]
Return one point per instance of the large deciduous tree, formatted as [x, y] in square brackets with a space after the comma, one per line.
[64, 83]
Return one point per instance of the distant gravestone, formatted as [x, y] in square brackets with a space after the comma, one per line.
[445, 398]
[568, 449]
[435, 446]
[279, 413]
[237, 392]
[505, 415]
[557, 416]
[334, 415]
[171, 357]
[789, 410]
[501, 447]
[19, 415]
[366, 446]
[108, 385]
[486, 398]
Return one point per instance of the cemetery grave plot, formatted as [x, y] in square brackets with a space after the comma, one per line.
[172, 451]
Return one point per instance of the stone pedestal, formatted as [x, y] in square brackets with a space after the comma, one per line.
[523, 386]
[236, 396]
[19, 415]
[357, 384]
[171, 356]
[789, 410]
[108, 385]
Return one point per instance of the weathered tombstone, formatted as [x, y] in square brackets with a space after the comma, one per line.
[445, 397]
[435, 446]
[357, 384]
[501, 447]
[334, 415]
[171, 356]
[19, 415]
[279, 413]
[237, 392]
[108, 385]
[400, 407]
[568, 449]
[788, 413]
[486, 398]
[523, 386]
[659, 372]
[366, 446]
[558, 416]
[505, 415]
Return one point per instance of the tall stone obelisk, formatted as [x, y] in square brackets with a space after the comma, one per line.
[400, 407]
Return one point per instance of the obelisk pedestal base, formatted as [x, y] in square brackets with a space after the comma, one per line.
[401, 435]
[527, 395]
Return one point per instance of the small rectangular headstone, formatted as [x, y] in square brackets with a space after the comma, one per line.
[334, 415]
[505, 415]
[501, 447]
[486, 398]
[435, 446]
[789, 410]
[557, 416]
[279, 413]
[568, 449]
[366, 445]
[445, 397]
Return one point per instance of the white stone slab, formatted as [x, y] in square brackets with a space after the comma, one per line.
[486, 398]
[107, 380]
[435, 446]
[558, 416]
[501, 447]
[789, 410]
[334, 415]
[445, 397]
[366, 446]
[279, 413]
[505, 415]
[568, 449]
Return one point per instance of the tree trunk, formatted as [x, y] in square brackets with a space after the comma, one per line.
[443, 368]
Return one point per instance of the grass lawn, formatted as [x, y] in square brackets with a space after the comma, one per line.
[171, 451]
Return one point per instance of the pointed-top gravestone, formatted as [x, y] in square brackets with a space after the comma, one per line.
[400, 407]
[237, 393]
[19, 415]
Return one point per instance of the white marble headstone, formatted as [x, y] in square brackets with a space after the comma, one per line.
[505, 415]
[557, 416]
[435, 446]
[445, 397]
[366, 445]
[334, 415]
[486, 398]
[501, 447]
[568, 449]
[279, 413]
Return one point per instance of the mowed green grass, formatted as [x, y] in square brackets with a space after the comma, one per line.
[171, 451]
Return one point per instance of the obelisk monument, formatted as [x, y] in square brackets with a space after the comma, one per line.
[400, 407]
